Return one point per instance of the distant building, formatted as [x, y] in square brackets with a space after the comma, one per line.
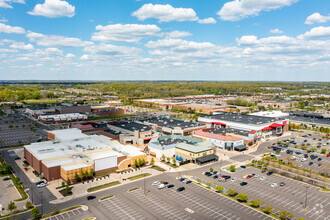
[66, 108]
[60, 118]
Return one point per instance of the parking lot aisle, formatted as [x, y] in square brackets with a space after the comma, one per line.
[168, 211]
[121, 209]
[72, 214]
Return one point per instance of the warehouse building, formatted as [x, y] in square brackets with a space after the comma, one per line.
[62, 118]
[70, 151]
[66, 108]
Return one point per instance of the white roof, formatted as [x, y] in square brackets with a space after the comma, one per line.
[104, 154]
[75, 166]
[128, 150]
[63, 116]
[274, 114]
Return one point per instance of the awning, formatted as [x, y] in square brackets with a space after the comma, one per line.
[219, 123]
[240, 148]
[207, 158]
[275, 125]
[147, 139]
[267, 128]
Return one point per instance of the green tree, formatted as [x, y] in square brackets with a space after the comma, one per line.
[242, 197]
[11, 206]
[68, 182]
[255, 203]
[232, 168]
[313, 149]
[28, 205]
[35, 212]
[136, 163]
[163, 157]
[219, 188]
[267, 210]
[231, 192]
[323, 151]
[174, 160]
[211, 169]
[168, 159]
[209, 184]
[77, 177]
[55, 209]
[199, 180]
[63, 184]
[152, 162]
[259, 163]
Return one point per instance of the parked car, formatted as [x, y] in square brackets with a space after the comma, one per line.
[262, 178]
[243, 183]
[161, 186]
[215, 177]
[269, 173]
[156, 183]
[9, 185]
[180, 189]
[263, 171]
[91, 197]
[170, 186]
[39, 182]
[6, 178]
[165, 183]
[249, 176]
[215, 172]
[319, 159]
[188, 181]
[182, 179]
[273, 184]
[233, 179]
[282, 184]
[310, 163]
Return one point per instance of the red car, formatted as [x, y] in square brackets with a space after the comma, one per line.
[249, 176]
[320, 164]
[273, 143]
[328, 155]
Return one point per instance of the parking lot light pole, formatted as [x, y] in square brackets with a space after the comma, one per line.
[144, 182]
[306, 198]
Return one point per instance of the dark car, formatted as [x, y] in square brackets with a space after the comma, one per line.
[243, 167]
[6, 178]
[39, 182]
[165, 183]
[91, 197]
[310, 163]
[209, 174]
[269, 173]
[206, 173]
[181, 179]
[215, 172]
[215, 177]
[243, 183]
[263, 171]
[170, 186]
[282, 184]
[319, 159]
[180, 189]
[188, 181]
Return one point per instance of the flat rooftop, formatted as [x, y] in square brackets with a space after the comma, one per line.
[224, 131]
[132, 126]
[202, 147]
[239, 118]
[172, 123]
[176, 139]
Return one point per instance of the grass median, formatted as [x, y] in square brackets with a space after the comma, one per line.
[139, 176]
[104, 186]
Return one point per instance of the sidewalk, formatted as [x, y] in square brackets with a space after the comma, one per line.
[80, 189]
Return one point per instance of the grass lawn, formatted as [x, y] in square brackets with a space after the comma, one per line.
[158, 168]
[41, 101]
[111, 117]
[133, 189]
[139, 176]
[106, 197]
[104, 186]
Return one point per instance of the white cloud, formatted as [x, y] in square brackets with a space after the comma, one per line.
[317, 18]
[178, 34]
[317, 32]
[5, 50]
[70, 55]
[21, 46]
[10, 29]
[165, 13]
[125, 32]
[247, 40]
[112, 50]
[276, 31]
[158, 52]
[53, 9]
[207, 21]
[240, 9]
[7, 3]
[3, 20]
[164, 43]
[56, 41]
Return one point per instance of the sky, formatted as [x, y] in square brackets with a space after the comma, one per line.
[215, 40]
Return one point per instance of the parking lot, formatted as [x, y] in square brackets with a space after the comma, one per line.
[7, 194]
[290, 197]
[72, 214]
[16, 130]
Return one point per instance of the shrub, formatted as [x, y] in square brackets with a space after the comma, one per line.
[231, 192]
[28, 205]
[232, 168]
[255, 203]
[267, 210]
[242, 197]
[219, 188]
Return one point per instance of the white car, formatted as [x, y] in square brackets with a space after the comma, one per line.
[256, 176]
[293, 157]
[303, 159]
[156, 183]
[161, 186]
[300, 165]
[273, 184]
[262, 178]
[233, 179]
[42, 185]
